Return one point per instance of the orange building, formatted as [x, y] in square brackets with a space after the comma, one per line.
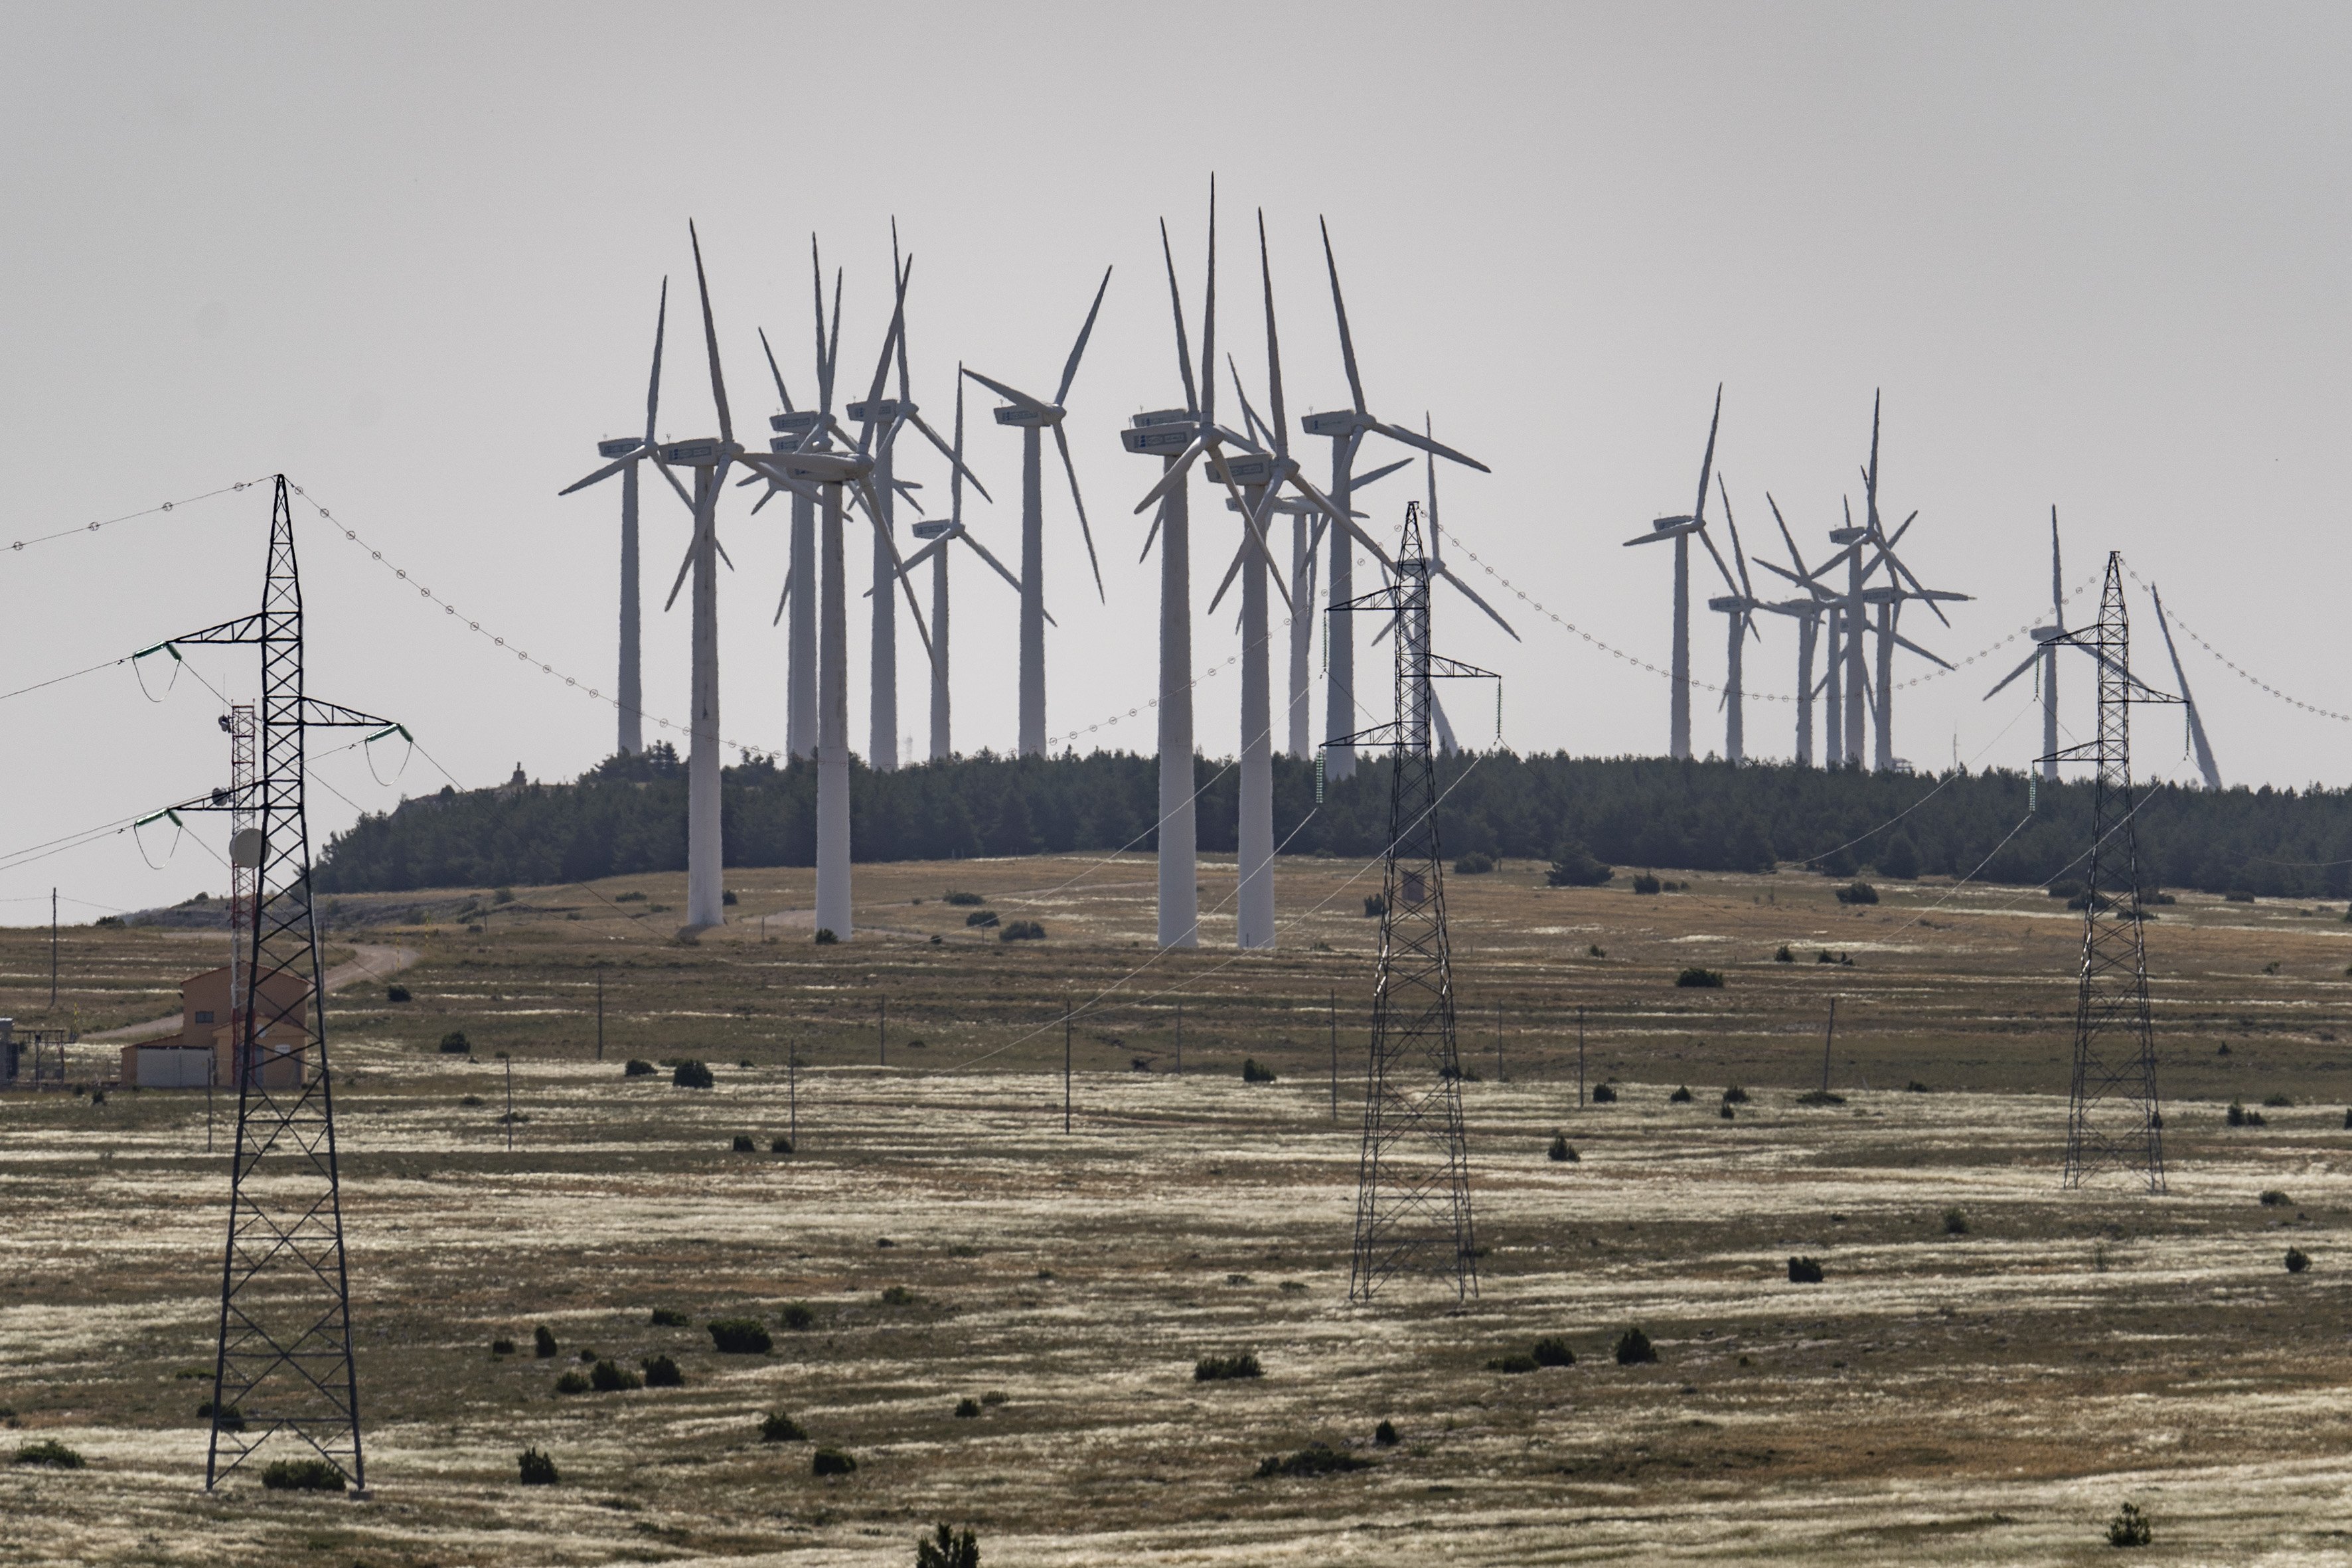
[205, 1050]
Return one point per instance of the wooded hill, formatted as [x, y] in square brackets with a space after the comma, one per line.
[628, 815]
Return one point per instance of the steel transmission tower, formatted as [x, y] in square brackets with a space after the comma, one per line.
[1412, 1196]
[284, 1362]
[2112, 1121]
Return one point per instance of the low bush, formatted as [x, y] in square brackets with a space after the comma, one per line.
[798, 1317]
[1634, 1348]
[967, 1409]
[825, 937]
[502, 1347]
[1734, 1095]
[535, 1469]
[831, 1462]
[1022, 930]
[1784, 955]
[743, 1144]
[2130, 1527]
[611, 1377]
[670, 1318]
[1695, 978]
[1253, 1073]
[454, 1043]
[2064, 889]
[1573, 865]
[727, 898]
[633, 896]
[1222, 1368]
[1916, 1087]
[1315, 1459]
[661, 1372]
[1594, 950]
[1857, 893]
[48, 1451]
[1604, 1094]
[981, 918]
[2296, 1262]
[543, 1341]
[573, 1382]
[2278, 1101]
[395, 992]
[1955, 1223]
[1804, 1271]
[1375, 906]
[1645, 883]
[1819, 1097]
[740, 1336]
[1553, 1350]
[959, 897]
[1681, 1096]
[1385, 1434]
[692, 1075]
[2238, 896]
[2238, 1115]
[1561, 1152]
[945, 1548]
[302, 1475]
[1477, 863]
[897, 1296]
[1725, 1112]
[2275, 1199]
[778, 1428]
[1517, 1362]
[638, 1068]
[780, 1145]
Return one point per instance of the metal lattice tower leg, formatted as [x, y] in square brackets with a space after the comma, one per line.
[2113, 1119]
[284, 1363]
[1413, 1199]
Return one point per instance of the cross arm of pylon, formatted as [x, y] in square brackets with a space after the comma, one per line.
[1443, 667]
[317, 712]
[244, 629]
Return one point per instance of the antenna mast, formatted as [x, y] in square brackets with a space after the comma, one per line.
[1412, 1198]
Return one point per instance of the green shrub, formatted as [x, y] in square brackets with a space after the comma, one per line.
[1385, 1434]
[2296, 1262]
[779, 1428]
[995, 1396]
[1645, 883]
[1783, 956]
[1681, 1096]
[1695, 978]
[48, 1451]
[960, 899]
[1553, 1350]
[502, 1347]
[1725, 1112]
[2238, 895]
[454, 1043]
[543, 1341]
[661, 1372]
[780, 1145]
[692, 1075]
[1315, 1459]
[2278, 1101]
[1221, 1368]
[1022, 930]
[740, 1336]
[611, 1377]
[1955, 1223]
[1857, 893]
[1634, 1348]
[633, 896]
[1804, 1271]
[825, 937]
[947, 1548]
[797, 1316]
[536, 1470]
[638, 1068]
[1916, 1087]
[1375, 906]
[1734, 1095]
[2275, 1199]
[1573, 865]
[1515, 1362]
[967, 1409]
[302, 1475]
[1604, 1094]
[1253, 1073]
[573, 1382]
[743, 1144]
[669, 1318]
[982, 918]
[1477, 863]
[395, 992]
[2130, 1527]
[1560, 1152]
[1819, 1097]
[831, 1462]
[1594, 950]
[897, 1296]
[727, 898]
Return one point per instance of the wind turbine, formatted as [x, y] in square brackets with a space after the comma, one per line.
[1902, 585]
[622, 454]
[1439, 572]
[827, 474]
[1679, 530]
[2046, 652]
[1740, 607]
[1347, 429]
[796, 428]
[1808, 613]
[1033, 415]
[2205, 764]
[1166, 434]
[940, 535]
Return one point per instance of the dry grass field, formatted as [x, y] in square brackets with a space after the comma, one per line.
[1985, 1389]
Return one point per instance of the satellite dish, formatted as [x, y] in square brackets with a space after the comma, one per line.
[245, 848]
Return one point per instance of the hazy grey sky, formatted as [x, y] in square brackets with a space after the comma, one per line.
[2093, 254]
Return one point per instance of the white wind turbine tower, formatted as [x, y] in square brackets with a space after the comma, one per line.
[1902, 585]
[1679, 530]
[1166, 434]
[623, 455]
[1808, 613]
[2205, 764]
[827, 474]
[1739, 607]
[1347, 429]
[796, 428]
[1033, 415]
[940, 535]
[2045, 654]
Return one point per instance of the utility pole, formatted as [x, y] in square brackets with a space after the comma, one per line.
[1335, 1056]
[1580, 1059]
[793, 1089]
[882, 1032]
[1180, 1039]
[600, 1012]
[510, 1062]
[1498, 1042]
[1065, 1064]
[53, 949]
[1827, 1041]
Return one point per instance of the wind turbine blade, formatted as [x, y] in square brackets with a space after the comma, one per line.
[1232, 571]
[1078, 349]
[1415, 439]
[674, 484]
[2029, 660]
[1720, 565]
[1339, 309]
[1359, 482]
[2205, 764]
[965, 534]
[1255, 527]
[606, 472]
[925, 554]
[1902, 641]
[1870, 476]
[1151, 537]
[1746, 588]
[824, 367]
[1273, 342]
[1786, 538]
[1209, 321]
[653, 383]
[906, 393]
[882, 365]
[1249, 415]
[783, 599]
[1183, 349]
[1706, 463]
[873, 515]
[1010, 394]
[683, 567]
[1472, 594]
[955, 461]
[775, 372]
[2057, 584]
[1783, 571]
[833, 354]
[1175, 474]
[1371, 544]
[710, 343]
[1084, 532]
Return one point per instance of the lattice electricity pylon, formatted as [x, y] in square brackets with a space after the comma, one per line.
[284, 1362]
[1413, 1194]
[2113, 1119]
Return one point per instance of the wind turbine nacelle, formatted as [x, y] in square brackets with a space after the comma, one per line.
[1245, 469]
[1668, 524]
[1159, 440]
[821, 467]
[1022, 416]
[796, 424]
[932, 527]
[2048, 634]
[1164, 416]
[618, 449]
[1731, 602]
[1340, 423]
[1847, 535]
[691, 454]
[879, 412]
